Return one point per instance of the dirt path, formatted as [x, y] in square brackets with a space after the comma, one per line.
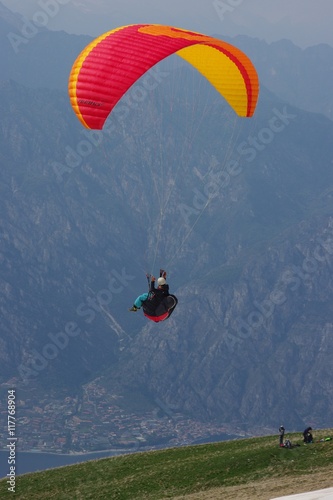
[267, 489]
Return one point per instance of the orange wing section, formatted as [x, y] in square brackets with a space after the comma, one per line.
[113, 62]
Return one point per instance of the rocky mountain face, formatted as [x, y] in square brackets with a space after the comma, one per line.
[251, 339]
[299, 76]
[238, 211]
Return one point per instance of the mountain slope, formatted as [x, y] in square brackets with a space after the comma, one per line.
[238, 212]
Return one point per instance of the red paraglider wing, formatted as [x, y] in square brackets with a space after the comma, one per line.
[113, 62]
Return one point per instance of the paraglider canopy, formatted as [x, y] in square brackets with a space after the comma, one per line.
[114, 61]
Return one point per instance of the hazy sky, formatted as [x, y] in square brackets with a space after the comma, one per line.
[305, 22]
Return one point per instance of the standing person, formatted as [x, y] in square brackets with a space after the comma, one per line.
[281, 431]
[158, 304]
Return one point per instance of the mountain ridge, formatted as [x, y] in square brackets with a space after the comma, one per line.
[39, 57]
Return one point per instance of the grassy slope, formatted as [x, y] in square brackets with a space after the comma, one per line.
[179, 471]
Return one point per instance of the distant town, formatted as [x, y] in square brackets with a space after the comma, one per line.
[97, 421]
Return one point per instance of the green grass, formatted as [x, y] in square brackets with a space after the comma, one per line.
[176, 471]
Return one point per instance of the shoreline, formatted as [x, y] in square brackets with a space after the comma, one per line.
[120, 451]
[70, 454]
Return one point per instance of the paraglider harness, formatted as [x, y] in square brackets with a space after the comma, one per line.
[149, 307]
[288, 444]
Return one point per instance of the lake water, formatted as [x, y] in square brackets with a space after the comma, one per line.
[32, 462]
[36, 461]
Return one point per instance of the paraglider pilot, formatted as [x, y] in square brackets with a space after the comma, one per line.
[308, 438]
[158, 304]
[281, 431]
